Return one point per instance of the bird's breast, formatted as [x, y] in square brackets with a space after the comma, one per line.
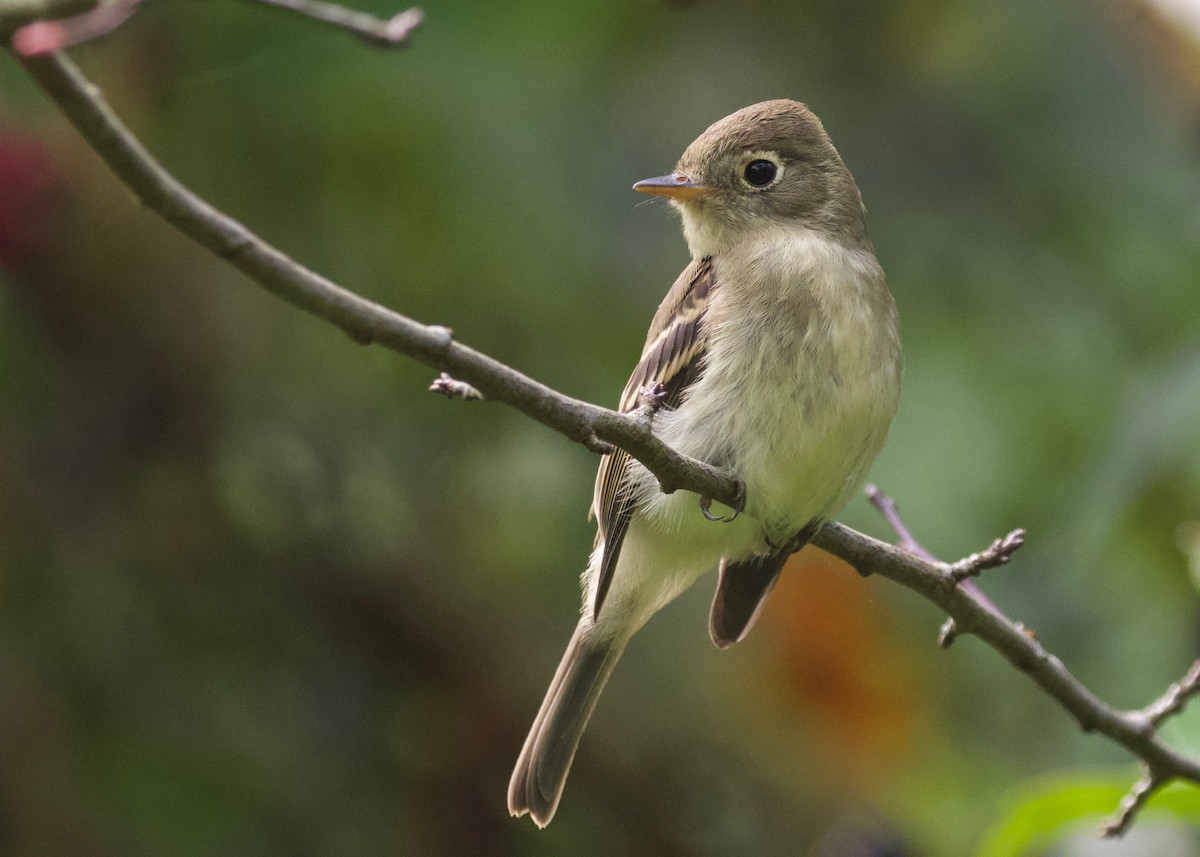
[800, 378]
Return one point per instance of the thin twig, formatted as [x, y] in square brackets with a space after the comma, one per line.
[996, 554]
[1176, 697]
[393, 32]
[1153, 778]
[891, 513]
[451, 388]
[887, 507]
[1012, 640]
[947, 633]
[1140, 792]
[972, 612]
[47, 37]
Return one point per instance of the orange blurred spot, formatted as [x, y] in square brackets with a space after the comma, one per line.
[845, 670]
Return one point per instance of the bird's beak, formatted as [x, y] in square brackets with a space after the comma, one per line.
[675, 185]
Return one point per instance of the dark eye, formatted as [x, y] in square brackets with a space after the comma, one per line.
[760, 173]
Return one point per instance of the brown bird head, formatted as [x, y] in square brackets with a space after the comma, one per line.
[767, 165]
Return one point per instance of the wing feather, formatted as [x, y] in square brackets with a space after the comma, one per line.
[674, 357]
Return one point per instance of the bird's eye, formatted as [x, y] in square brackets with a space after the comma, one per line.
[760, 173]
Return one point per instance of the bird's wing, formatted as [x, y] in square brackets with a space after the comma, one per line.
[674, 357]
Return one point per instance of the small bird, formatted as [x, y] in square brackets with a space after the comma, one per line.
[775, 355]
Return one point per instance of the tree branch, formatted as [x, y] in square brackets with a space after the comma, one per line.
[17, 12]
[47, 37]
[363, 320]
[1153, 778]
[1176, 697]
[600, 429]
[391, 32]
[908, 542]
[972, 613]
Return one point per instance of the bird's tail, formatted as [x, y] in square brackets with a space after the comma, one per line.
[541, 773]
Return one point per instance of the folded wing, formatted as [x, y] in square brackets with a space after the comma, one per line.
[673, 357]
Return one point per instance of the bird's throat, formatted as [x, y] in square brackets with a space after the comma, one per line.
[705, 230]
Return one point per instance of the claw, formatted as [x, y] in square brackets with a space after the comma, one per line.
[706, 504]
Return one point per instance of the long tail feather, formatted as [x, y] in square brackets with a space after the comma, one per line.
[541, 772]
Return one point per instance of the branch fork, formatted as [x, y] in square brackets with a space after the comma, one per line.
[1148, 720]
[972, 612]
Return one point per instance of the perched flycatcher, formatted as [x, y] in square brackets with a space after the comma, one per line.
[778, 356]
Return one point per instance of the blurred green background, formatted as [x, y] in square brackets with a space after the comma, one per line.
[260, 594]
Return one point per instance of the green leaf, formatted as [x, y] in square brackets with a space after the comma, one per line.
[1047, 809]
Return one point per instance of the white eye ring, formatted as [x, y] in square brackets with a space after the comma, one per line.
[755, 166]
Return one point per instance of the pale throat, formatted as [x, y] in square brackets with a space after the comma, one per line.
[710, 232]
[706, 233]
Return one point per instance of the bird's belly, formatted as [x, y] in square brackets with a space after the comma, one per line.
[800, 443]
[811, 470]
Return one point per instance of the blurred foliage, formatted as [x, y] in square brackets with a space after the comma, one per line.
[1063, 809]
[260, 594]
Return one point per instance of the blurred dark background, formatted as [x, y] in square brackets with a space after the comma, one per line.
[260, 594]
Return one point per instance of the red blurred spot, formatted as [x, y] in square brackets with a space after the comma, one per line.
[40, 37]
[29, 185]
